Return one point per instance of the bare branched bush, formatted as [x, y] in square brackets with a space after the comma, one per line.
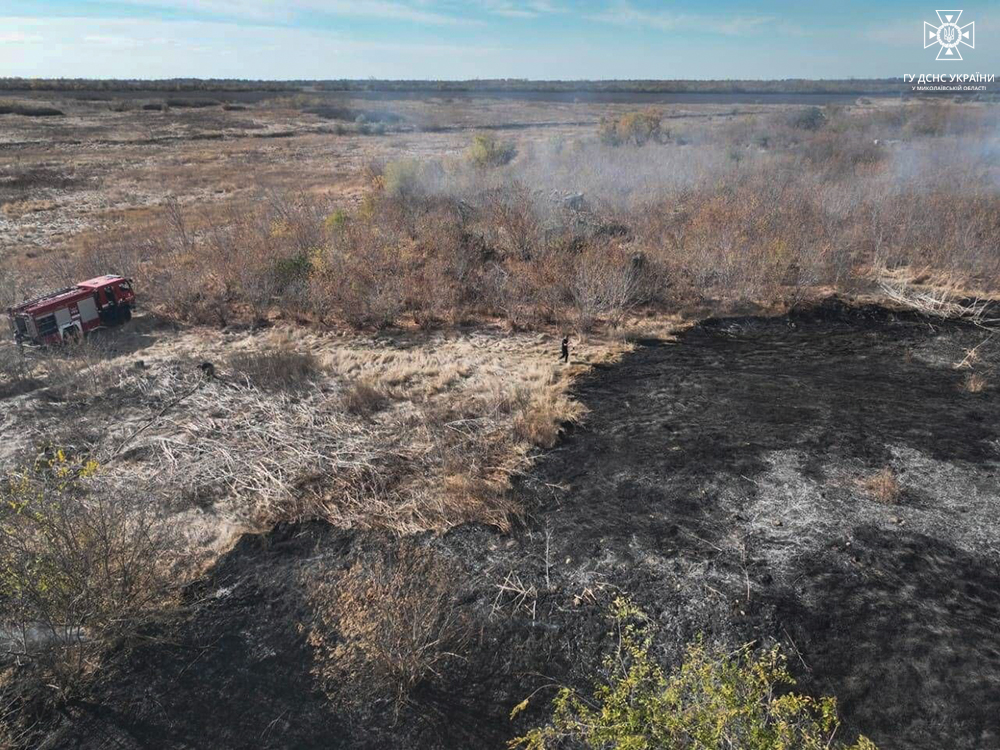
[389, 626]
[510, 221]
[16, 372]
[10, 288]
[18, 728]
[82, 561]
[609, 284]
[809, 118]
[362, 278]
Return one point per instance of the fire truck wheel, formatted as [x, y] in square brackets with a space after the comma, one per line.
[72, 335]
[126, 314]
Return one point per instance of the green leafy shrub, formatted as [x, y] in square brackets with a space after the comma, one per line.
[294, 268]
[402, 178]
[716, 700]
[487, 151]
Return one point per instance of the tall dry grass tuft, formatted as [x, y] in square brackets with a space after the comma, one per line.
[883, 487]
[975, 383]
[282, 367]
[389, 626]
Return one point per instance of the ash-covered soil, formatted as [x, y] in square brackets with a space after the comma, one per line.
[722, 481]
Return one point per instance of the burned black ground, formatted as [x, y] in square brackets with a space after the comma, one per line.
[717, 482]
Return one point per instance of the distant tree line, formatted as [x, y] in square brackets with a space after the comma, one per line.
[848, 86]
[134, 84]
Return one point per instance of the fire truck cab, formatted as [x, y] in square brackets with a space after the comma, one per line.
[70, 314]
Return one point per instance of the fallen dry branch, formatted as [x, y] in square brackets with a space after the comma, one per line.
[937, 302]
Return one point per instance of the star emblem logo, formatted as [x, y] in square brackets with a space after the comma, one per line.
[949, 35]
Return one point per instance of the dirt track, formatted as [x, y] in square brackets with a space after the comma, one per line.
[716, 482]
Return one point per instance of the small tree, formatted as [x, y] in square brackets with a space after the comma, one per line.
[632, 128]
[717, 700]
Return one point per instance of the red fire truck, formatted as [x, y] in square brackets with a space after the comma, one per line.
[72, 313]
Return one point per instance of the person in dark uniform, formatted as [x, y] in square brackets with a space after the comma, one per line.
[564, 355]
[110, 311]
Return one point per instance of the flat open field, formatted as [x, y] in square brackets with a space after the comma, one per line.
[66, 176]
[331, 487]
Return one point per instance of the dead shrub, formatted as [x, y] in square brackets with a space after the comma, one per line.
[809, 118]
[362, 278]
[16, 373]
[883, 487]
[510, 222]
[15, 729]
[388, 626]
[839, 155]
[9, 288]
[610, 282]
[9, 107]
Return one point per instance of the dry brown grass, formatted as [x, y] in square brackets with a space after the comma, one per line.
[543, 418]
[20, 208]
[276, 368]
[409, 433]
[364, 398]
[975, 383]
[388, 625]
[883, 487]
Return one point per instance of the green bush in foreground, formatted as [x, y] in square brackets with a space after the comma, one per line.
[716, 700]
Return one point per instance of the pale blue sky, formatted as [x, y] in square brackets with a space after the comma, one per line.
[449, 39]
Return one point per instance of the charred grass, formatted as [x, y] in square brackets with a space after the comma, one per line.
[350, 387]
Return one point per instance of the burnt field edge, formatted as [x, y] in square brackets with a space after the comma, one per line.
[562, 639]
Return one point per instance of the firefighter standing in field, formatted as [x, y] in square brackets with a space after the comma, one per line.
[564, 353]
